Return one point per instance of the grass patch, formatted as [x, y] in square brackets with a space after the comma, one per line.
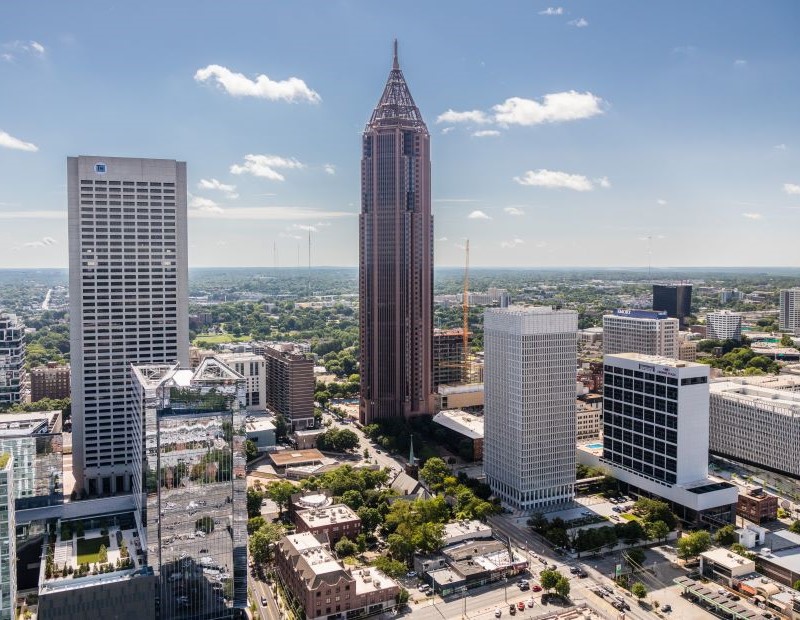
[219, 338]
[629, 517]
[89, 549]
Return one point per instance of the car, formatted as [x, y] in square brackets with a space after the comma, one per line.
[411, 573]
[582, 574]
[536, 587]
[531, 602]
[497, 612]
[524, 586]
[423, 587]
[733, 597]
[574, 570]
[720, 591]
[521, 605]
[264, 601]
[666, 608]
[512, 609]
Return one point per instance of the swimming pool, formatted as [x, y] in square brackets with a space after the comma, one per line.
[594, 446]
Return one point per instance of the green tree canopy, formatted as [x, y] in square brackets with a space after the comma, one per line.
[639, 590]
[693, 544]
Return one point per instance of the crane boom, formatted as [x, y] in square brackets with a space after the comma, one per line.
[465, 309]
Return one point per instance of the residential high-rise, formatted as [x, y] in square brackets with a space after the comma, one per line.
[8, 540]
[395, 259]
[790, 311]
[13, 378]
[640, 331]
[290, 384]
[128, 294]
[191, 490]
[655, 434]
[253, 368]
[724, 325]
[50, 381]
[529, 419]
[675, 299]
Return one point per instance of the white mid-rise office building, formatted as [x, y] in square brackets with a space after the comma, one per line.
[253, 368]
[790, 311]
[655, 433]
[724, 325]
[649, 332]
[529, 420]
[128, 301]
[8, 539]
[756, 424]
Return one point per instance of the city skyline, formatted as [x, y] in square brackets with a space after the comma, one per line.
[623, 131]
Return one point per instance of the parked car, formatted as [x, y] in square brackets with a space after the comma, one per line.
[521, 605]
[411, 573]
[497, 612]
[524, 586]
[264, 601]
[512, 609]
[666, 608]
[531, 602]
[536, 587]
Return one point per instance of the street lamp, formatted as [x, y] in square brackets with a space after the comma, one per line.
[464, 597]
[505, 588]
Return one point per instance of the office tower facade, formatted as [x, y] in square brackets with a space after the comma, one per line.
[789, 320]
[756, 424]
[8, 540]
[675, 299]
[529, 419]
[395, 259]
[128, 286]
[655, 433]
[193, 488]
[449, 364]
[13, 378]
[50, 381]
[724, 325]
[290, 384]
[640, 331]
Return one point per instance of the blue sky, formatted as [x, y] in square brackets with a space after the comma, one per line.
[563, 133]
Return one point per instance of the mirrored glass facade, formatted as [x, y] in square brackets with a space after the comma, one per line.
[194, 489]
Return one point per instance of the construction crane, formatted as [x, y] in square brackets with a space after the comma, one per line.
[465, 309]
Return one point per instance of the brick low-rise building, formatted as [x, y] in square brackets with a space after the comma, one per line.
[51, 381]
[333, 522]
[757, 506]
[322, 587]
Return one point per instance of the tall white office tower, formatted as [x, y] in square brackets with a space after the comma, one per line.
[128, 285]
[648, 332]
[790, 311]
[8, 539]
[529, 420]
[724, 325]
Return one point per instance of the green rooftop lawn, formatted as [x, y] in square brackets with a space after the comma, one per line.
[219, 338]
[4, 456]
[89, 549]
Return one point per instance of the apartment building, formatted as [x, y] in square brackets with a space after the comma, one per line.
[290, 384]
[330, 523]
[50, 381]
[724, 325]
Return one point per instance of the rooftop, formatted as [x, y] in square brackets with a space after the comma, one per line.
[295, 457]
[729, 560]
[319, 517]
[460, 528]
[16, 424]
[657, 359]
[316, 555]
[446, 390]
[463, 423]
[779, 401]
[640, 314]
[259, 424]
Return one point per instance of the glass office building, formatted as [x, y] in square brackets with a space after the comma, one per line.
[192, 493]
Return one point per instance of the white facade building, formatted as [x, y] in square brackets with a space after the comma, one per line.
[14, 386]
[655, 433]
[724, 325]
[529, 420]
[8, 539]
[648, 332]
[252, 367]
[790, 311]
[128, 285]
[589, 419]
[756, 424]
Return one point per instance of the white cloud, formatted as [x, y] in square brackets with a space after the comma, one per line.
[442, 239]
[33, 215]
[204, 204]
[752, 216]
[780, 147]
[514, 211]
[454, 200]
[557, 179]
[791, 188]
[26, 47]
[661, 202]
[7, 57]
[265, 166]
[511, 244]
[739, 63]
[578, 23]
[478, 215]
[446, 130]
[556, 107]
[37, 47]
[470, 116]
[41, 243]
[229, 190]
[281, 213]
[330, 169]
[603, 182]
[238, 85]
[304, 227]
[552, 10]
[485, 133]
[10, 142]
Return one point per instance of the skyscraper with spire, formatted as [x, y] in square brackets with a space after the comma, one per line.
[395, 258]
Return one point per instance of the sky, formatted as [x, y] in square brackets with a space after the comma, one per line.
[607, 134]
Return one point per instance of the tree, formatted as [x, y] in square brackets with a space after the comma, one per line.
[693, 544]
[402, 597]
[639, 590]
[786, 341]
[255, 523]
[538, 522]
[562, 586]
[345, 547]
[254, 499]
[433, 472]
[371, 518]
[657, 530]
[652, 510]
[796, 585]
[281, 493]
[391, 567]
[795, 527]
[636, 557]
[250, 450]
[726, 535]
[354, 499]
[102, 554]
[549, 578]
